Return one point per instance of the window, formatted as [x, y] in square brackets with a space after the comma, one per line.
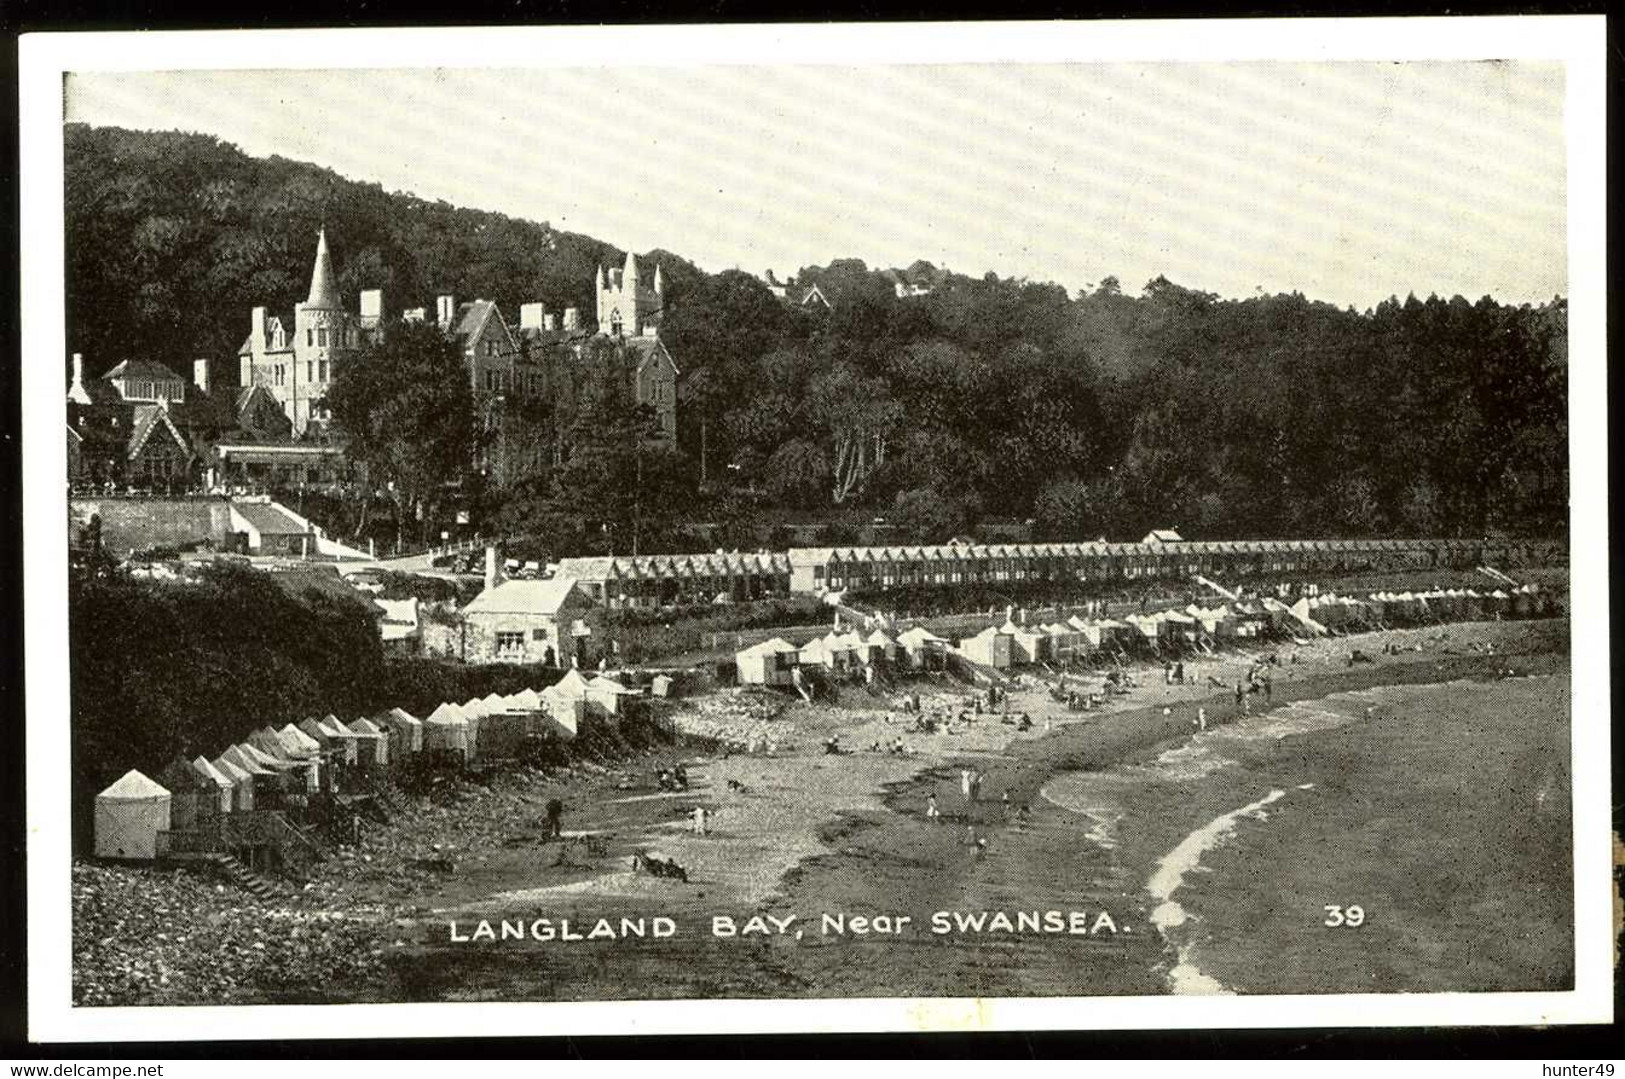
[538, 634]
[310, 370]
[511, 642]
[310, 336]
[490, 348]
[326, 370]
[321, 336]
[493, 381]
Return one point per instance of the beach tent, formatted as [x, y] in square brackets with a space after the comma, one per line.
[129, 815]
[374, 735]
[242, 784]
[768, 663]
[878, 646]
[837, 651]
[299, 741]
[605, 696]
[1063, 639]
[446, 729]
[661, 685]
[526, 700]
[920, 645]
[194, 799]
[990, 648]
[564, 713]
[1026, 645]
[405, 732]
[271, 780]
[222, 783]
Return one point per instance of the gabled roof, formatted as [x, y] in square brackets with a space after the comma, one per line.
[544, 598]
[152, 369]
[150, 418]
[269, 519]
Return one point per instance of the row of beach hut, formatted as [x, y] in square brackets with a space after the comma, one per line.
[772, 662]
[273, 769]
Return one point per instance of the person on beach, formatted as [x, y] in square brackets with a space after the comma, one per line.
[1240, 694]
[1269, 688]
[1004, 805]
[964, 783]
[1167, 673]
[554, 827]
[932, 813]
[699, 820]
[1179, 673]
[976, 786]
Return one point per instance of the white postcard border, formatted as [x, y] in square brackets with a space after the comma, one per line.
[1577, 41]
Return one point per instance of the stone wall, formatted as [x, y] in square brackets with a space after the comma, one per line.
[136, 524]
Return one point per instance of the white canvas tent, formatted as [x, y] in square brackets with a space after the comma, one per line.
[990, 648]
[375, 735]
[129, 816]
[919, 642]
[405, 732]
[768, 663]
[242, 784]
[446, 728]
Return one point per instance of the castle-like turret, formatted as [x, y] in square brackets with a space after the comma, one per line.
[324, 294]
[627, 305]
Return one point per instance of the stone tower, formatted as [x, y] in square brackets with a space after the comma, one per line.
[324, 334]
[628, 304]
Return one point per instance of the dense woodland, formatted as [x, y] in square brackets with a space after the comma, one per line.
[1098, 412]
[162, 669]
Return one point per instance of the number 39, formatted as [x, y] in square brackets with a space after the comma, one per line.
[1351, 916]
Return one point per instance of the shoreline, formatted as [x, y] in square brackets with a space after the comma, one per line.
[874, 852]
[811, 834]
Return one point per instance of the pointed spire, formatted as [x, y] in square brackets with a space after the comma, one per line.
[323, 294]
[631, 271]
[601, 280]
[660, 281]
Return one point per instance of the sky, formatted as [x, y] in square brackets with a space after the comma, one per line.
[1346, 181]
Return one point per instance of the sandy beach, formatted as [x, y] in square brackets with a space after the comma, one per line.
[807, 835]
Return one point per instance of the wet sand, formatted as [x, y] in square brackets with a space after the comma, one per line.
[812, 835]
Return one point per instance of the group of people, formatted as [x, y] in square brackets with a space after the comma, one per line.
[673, 779]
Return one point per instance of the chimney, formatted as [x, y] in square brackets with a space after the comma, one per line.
[550, 322]
[444, 307]
[572, 319]
[257, 330]
[1009, 614]
[491, 574]
[77, 392]
[372, 304]
[650, 330]
[531, 315]
[200, 374]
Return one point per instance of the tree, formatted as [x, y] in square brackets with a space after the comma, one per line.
[925, 515]
[407, 409]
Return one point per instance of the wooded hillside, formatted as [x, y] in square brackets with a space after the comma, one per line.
[1103, 412]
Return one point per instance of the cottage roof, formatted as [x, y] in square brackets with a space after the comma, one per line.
[543, 598]
[268, 518]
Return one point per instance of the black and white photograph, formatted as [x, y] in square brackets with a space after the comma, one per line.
[790, 528]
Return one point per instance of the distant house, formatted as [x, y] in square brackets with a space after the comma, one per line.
[1163, 535]
[398, 626]
[808, 296]
[529, 622]
[271, 529]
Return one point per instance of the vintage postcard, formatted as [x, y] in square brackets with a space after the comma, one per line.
[805, 528]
